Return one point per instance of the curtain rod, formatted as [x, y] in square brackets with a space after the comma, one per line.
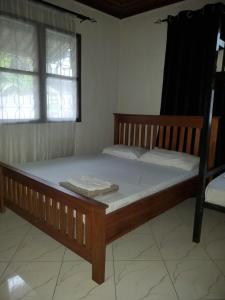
[159, 21]
[61, 9]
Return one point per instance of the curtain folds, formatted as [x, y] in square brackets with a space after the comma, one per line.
[190, 62]
[36, 141]
[36, 12]
[31, 142]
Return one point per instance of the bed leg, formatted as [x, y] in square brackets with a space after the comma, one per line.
[98, 247]
[198, 219]
[2, 206]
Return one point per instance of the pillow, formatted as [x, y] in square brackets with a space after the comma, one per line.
[171, 158]
[124, 151]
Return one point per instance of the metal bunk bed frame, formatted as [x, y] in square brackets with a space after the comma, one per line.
[204, 174]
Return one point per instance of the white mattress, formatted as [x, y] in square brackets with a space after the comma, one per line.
[135, 179]
[215, 191]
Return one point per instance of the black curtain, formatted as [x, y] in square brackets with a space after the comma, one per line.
[190, 63]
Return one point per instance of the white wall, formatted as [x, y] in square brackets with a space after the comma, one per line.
[141, 60]
[100, 50]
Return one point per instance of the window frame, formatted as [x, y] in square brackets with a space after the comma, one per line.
[42, 74]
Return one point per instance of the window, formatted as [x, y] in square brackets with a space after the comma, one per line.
[39, 73]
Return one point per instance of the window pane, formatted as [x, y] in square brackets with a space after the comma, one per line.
[61, 99]
[18, 45]
[61, 53]
[18, 97]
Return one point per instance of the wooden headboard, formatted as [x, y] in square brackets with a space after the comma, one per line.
[179, 133]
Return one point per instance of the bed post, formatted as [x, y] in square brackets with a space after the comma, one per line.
[2, 206]
[98, 245]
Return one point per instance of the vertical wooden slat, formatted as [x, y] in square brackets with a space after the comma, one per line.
[57, 215]
[53, 213]
[116, 129]
[29, 198]
[40, 215]
[88, 232]
[126, 133]
[21, 196]
[63, 216]
[79, 227]
[84, 229]
[189, 139]
[35, 203]
[10, 190]
[43, 208]
[31, 201]
[213, 143]
[161, 131]
[181, 139]
[48, 211]
[167, 138]
[70, 223]
[154, 137]
[174, 138]
[34, 199]
[6, 187]
[132, 134]
[25, 197]
[137, 135]
[197, 141]
[2, 191]
[15, 194]
[120, 133]
[148, 136]
[143, 128]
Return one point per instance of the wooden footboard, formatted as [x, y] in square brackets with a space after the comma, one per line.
[75, 221]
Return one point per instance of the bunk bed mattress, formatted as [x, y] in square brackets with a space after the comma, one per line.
[135, 179]
[215, 191]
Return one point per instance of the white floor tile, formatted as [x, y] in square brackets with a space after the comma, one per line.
[135, 247]
[29, 281]
[143, 280]
[197, 280]
[10, 223]
[75, 283]
[214, 240]
[70, 255]
[2, 267]
[221, 265]
[174, 237]
[9, 245]
[197, 270]
[39, 247]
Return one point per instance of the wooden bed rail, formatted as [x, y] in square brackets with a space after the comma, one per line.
[179, 133]
[75, 221]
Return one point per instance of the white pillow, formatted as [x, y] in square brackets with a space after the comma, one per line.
[171, 158]
[124, 151]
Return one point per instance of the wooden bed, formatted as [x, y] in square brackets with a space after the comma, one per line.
[61, 213]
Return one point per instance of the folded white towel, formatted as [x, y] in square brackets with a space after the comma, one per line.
[89, 183]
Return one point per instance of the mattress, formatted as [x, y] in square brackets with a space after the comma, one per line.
[215, 191]
[135, 179]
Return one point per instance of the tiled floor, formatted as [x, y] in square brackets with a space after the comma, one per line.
[157, 261]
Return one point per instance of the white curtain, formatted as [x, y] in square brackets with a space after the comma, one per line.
[31, 142]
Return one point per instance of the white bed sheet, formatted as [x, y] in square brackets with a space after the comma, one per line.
[215, 191]
[135, 179]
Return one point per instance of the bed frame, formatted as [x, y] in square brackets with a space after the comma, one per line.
[80, 223]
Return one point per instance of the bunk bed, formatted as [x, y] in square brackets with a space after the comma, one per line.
[61, 213]
[209, 188]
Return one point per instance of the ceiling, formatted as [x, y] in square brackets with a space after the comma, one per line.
[126, 8]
